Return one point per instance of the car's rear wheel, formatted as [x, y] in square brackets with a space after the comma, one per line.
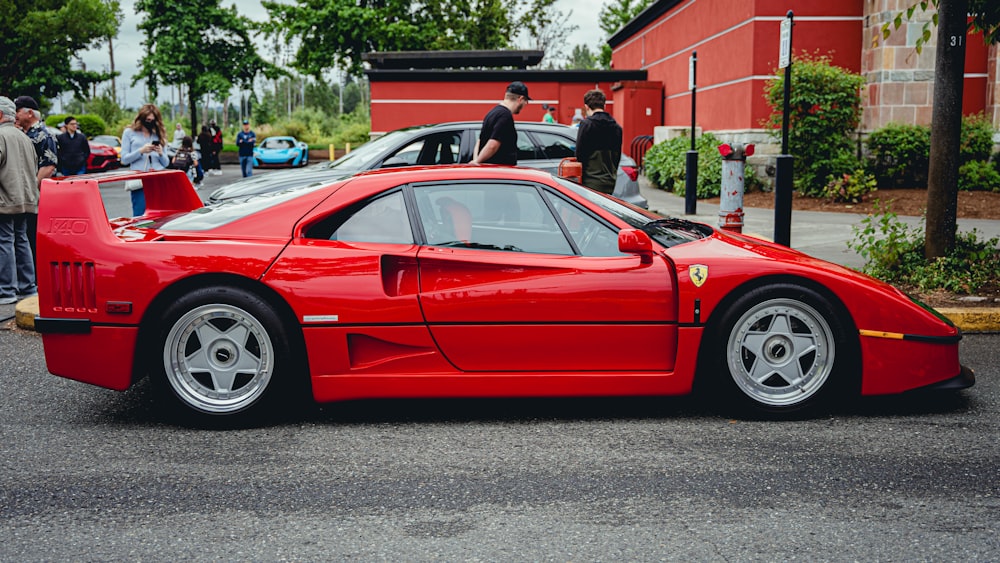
[223, 353]
[785, 350]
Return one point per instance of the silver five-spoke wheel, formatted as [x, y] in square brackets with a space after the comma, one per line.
[218, 358]
[781, 352]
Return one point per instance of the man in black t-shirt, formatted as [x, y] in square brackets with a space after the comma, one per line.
[498, 139]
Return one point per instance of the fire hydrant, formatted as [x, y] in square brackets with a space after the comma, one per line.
[734, 158]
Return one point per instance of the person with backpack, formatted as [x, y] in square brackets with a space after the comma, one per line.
[186, 160]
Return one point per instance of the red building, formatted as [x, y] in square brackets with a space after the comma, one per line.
[737, 44]
[415, 88]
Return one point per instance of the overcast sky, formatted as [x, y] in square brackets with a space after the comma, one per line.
[128, 47]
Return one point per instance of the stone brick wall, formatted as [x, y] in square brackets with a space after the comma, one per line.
[900, 81]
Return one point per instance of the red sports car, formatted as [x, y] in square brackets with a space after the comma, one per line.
[102, 158]
[461, 281]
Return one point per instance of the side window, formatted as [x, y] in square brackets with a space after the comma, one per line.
[407, 155]
[495, 216]
[440, 148]
[526, 148]
[380, 220]
[592, 237]
[556, 146]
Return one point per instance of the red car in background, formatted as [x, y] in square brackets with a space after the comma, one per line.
[457, 281]
[102, 158]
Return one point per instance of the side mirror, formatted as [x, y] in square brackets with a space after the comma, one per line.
[634, 241]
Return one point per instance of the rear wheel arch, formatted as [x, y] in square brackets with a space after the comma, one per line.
[149, 327]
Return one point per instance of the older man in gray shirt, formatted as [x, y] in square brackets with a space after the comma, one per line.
[18, 197]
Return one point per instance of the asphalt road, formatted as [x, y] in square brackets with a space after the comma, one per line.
[88, 474]
[94, 475]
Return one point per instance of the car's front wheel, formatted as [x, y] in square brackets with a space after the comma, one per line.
[223, 353]
[786, 350]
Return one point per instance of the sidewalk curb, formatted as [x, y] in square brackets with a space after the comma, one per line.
[970, 319]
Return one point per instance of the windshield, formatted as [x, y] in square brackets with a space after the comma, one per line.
[667, 231]
[364, 157]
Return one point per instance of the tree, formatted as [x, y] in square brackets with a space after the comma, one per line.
[39, 41]
[334, 33]
[199, 44]
[582, 59]
[552, 36]
[952, 19]
[613, 16]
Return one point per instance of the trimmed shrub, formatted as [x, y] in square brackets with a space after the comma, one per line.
[824, 113]
[977, 138]
[898, 155]
[851, 188]
[666, 165]
[978, 176]
[90, 124]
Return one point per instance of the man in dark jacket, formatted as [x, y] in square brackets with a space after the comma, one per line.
[599, 144]
[74, 150]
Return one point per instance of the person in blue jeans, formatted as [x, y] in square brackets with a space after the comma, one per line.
[245, 141]
[18, 197]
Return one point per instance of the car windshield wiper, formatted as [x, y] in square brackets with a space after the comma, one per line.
[481, 246]
[675, 223]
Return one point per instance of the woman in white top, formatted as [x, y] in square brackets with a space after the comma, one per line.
[142, 150]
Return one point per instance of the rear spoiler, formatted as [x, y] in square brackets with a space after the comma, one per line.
[167, 191]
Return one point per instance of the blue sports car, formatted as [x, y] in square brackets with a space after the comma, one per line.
[280, 151]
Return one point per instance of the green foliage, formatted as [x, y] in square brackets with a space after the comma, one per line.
[582, 59]
[199, 44]
[337, 32]
[824, 113]
[898, 155]
[894, 253]
[615, 14]
[666, 164]
[352, 97]
[978, 175]
[39, 41]
[107, 109]
[977, 138]
[851, 188]
[90, 124]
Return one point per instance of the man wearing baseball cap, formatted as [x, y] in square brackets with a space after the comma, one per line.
[19, 194]
[498, 138]
[29, 120]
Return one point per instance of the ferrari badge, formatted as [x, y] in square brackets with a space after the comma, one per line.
[698, 274]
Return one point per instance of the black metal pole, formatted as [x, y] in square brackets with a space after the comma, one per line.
[783, 169]
[691, 172]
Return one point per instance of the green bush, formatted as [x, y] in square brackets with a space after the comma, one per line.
[824, 113]
[666, 165]
[894, 253]
[977, 138]
[977, 175]
[90, 125]
[851, 188]
[898, 155]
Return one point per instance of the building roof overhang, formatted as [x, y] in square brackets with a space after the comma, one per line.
[645, 17]
[400, 60]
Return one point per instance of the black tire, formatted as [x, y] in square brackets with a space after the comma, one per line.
[784, 349]
[223, 356]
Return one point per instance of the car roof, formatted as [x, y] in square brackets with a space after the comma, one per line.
[536, 125]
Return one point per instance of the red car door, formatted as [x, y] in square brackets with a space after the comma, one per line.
[502, 289]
